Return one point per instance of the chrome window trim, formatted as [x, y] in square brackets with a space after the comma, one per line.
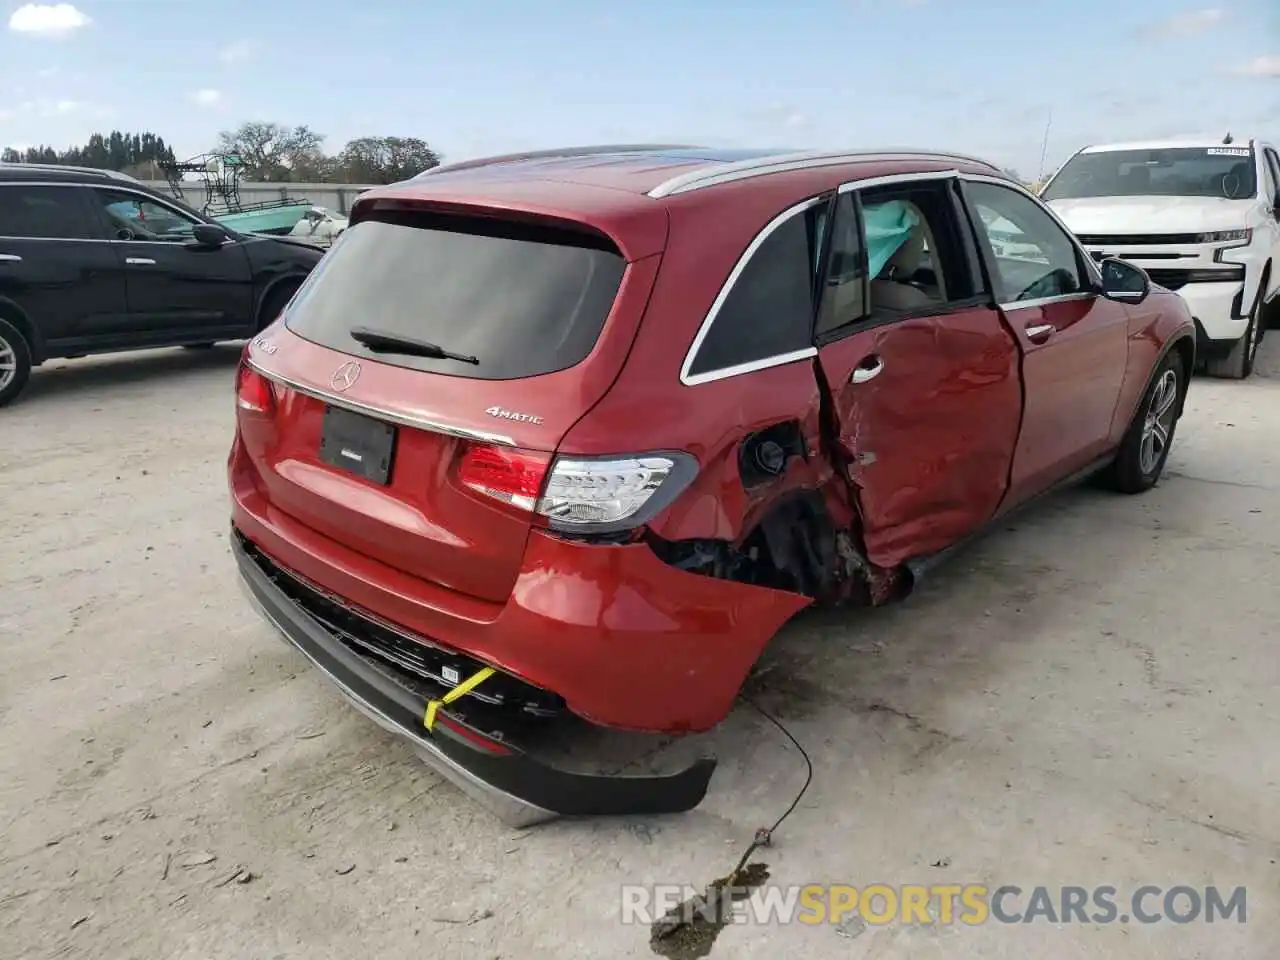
[1045, 301]
[391, 416]
[1091, 268]
[692, 379]
[716, 174]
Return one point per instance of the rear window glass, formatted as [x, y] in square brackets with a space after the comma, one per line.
[522, 300]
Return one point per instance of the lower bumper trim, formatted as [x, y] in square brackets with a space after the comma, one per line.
[513, 785]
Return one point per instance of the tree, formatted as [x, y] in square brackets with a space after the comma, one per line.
[136, 153]
[385, 159]
[276, 153]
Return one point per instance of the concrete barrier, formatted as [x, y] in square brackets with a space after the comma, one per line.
[337, 197]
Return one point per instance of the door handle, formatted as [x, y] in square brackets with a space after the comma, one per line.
[10, 258]
[140, 261]
[1041, 332]
[867, 369]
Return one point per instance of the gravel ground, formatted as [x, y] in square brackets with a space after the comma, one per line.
[1087, 697]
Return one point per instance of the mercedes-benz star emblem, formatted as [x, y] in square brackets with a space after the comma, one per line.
[345, 376]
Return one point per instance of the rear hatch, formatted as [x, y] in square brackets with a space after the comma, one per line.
[430, 464]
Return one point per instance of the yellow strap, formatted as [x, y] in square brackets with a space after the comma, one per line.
[461, 690]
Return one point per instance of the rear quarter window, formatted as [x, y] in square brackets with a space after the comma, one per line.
[524, 300]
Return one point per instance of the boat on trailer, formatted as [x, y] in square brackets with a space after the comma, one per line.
[220, 173]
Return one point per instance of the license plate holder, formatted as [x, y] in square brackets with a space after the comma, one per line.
[358, 444]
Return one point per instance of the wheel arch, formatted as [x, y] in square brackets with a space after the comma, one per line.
[1185, 344]
[293, 280]
[15, 315]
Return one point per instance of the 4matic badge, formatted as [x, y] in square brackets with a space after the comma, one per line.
[502, 414]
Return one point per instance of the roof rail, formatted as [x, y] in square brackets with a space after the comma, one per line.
[780, 163]
[69, 168]
[566, 152]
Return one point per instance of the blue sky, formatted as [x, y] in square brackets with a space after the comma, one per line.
[485, 76]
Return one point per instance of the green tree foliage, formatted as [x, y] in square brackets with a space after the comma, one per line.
[275, 153]
[135, 153]
[268, 152]
[385, 159]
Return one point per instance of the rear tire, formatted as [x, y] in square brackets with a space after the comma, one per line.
[15, 362]
[1238, 364]
[1145, 447]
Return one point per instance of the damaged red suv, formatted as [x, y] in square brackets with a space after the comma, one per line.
[574, 433]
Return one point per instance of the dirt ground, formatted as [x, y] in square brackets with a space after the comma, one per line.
[1087, 697]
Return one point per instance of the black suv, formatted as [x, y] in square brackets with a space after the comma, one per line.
[93, 261]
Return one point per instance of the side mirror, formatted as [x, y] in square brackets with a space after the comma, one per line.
[1123, 281]
[209, 235]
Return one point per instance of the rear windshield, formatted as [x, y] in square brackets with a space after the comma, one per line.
[522, 300]
[1224, 171]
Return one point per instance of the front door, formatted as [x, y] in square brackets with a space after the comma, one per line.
[178, 289]
[57, 268]
[1271, 198]
[1074, 341]
[921, 371]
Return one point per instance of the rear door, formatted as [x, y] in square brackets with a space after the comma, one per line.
[1074, 342]
[921, 369]
[177, 289]
[383, 452]
[56, 266]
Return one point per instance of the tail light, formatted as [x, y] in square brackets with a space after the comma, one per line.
[511, 476]
[254, 392]
[596, 495]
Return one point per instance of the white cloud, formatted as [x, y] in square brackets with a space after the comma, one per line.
[1260, 67]
[47, 19]
[1190, 24]
[236, 52]
[207, 98]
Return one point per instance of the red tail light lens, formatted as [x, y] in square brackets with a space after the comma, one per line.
[510, 476]
[254, 392]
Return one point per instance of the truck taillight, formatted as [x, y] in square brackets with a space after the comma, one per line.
[588, 495]
[254, 392]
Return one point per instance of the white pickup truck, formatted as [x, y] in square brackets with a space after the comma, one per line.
[1202, 218]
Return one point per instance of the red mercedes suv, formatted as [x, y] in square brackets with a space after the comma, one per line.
[573, 433]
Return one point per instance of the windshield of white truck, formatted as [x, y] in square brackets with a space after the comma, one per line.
[1225, 171]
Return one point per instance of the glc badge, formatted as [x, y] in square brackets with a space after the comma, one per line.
[345, 376]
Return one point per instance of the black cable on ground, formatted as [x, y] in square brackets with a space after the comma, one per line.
[764, 835]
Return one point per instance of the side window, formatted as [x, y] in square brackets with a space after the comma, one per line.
[132, 216]
[1034, 257]
[1273, 167]
[46, 213]
[769, 309]
[906, 241]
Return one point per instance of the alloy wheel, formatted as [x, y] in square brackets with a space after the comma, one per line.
[1157, 427]
[8, 363]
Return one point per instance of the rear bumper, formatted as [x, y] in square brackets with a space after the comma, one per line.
[517, 788]
[626, 640]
